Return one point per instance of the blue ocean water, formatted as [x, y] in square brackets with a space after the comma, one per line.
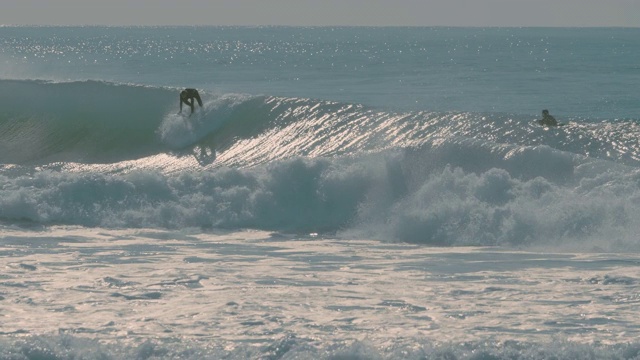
[424, 136]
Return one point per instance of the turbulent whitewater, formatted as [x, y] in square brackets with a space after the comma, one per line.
[342, 193]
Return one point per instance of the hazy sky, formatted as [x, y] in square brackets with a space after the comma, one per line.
[323, 12]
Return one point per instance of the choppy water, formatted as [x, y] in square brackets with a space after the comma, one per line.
[417, 136]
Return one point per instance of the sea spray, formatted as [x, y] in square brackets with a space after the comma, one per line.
[185, 128]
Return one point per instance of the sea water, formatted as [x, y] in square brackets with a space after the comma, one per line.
[343, 193]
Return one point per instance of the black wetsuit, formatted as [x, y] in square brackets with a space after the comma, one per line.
[548, 120]
[187, 96]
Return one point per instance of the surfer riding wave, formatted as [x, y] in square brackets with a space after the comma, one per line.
[187, 96]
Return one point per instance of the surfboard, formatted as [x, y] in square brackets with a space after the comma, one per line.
[539, 122]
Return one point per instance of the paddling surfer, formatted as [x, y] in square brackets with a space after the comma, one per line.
[547, 120]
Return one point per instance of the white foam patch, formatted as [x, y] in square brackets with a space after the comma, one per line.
[392, 195]
[79, 293]
[177, 130]
[184, 129]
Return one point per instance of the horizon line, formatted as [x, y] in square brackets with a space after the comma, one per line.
[328, 26]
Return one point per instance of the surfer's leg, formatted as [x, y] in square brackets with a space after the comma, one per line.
[199, 99]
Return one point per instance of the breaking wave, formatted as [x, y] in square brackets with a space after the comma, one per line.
[113, 155]
[98, 122]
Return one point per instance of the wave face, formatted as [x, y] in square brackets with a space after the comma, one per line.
[97, 122]
[112, 155]
[79, 121]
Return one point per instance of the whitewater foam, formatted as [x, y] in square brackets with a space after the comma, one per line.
[429, 196]
[101, 292]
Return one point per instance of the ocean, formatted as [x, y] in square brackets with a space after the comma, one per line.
[342, 193]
